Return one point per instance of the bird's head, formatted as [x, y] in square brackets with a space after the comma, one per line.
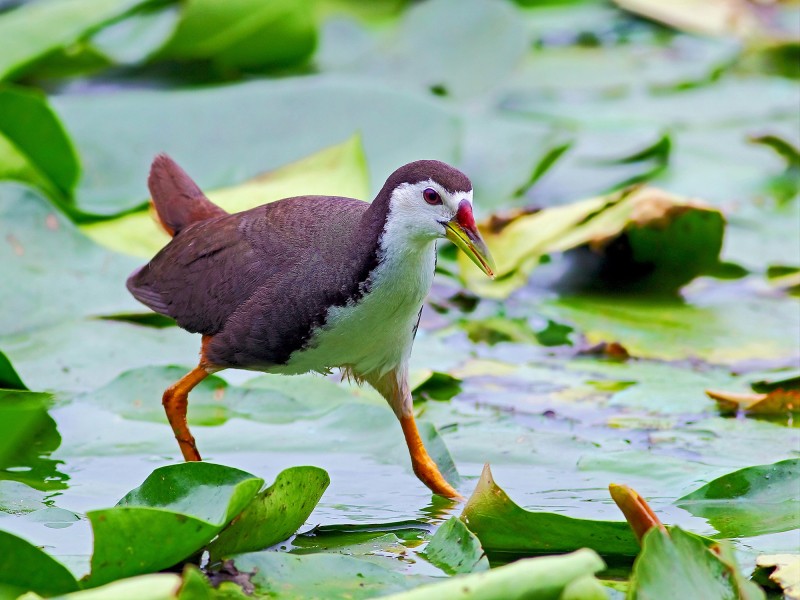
[429, 199]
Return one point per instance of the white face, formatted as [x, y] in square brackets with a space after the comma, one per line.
[418, 211]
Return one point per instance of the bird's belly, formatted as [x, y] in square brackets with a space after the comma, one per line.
[373, 335]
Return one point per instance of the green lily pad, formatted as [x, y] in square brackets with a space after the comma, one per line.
[118, 135]
[45, 254]
[751, 501]
[679, 565]
[320, 576]
[24, 567]
[546, 578]
[36, 29]
[274, 514]
[455, 549]
[503, 527]
[34, 148]
[720, 328]
[339, 170]
[243, 35]
[173, 514]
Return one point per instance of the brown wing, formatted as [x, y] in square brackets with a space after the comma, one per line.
[259, 281]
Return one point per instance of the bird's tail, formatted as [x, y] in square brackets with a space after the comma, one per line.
[176, 198]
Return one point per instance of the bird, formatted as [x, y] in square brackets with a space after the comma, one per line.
[307, 284]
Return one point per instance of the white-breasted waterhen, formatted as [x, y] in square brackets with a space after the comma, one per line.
[308, 283]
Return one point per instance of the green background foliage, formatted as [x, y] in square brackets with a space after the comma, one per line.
[585, 363]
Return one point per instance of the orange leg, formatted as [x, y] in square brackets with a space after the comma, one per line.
[394, 387]
[176, 401]
[424, 467]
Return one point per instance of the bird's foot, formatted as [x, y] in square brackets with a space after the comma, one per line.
[428, 473]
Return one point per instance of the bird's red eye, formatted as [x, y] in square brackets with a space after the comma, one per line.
[431, 196]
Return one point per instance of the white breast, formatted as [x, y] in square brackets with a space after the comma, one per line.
[374, 334]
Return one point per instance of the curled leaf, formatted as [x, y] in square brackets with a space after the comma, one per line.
[638, 513]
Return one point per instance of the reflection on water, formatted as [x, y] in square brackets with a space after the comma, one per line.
[27, 459]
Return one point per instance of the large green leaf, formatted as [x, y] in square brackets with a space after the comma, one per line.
[243, 33]
[118, 135]
[455, 549]
[503, 527]
[721, 328]
[545, 578]
[34, 148]
[679, 565]
[47, 258]
[38, 28]
[338, 171]
[173, 514]
[159, 586]
[274, 514]
[24, 567]
[481, 45]
[751, 501]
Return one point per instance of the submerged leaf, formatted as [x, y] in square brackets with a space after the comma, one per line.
[749, 502]
[504, 527]
[455, 549]
[274, 514]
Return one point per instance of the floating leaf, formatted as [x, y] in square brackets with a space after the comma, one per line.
[679, 565]
[117, 135]
[455, 549]
[247, 34]
[339, 170]
[274, 514]
[24, 567]
[782, 570]
[329, 576]
[36, 29]
[160, 586]
[545, 578]
[751, 501]
[642, 234]
[504, 527]
[34, 148]
[46, 255]
[173, 514]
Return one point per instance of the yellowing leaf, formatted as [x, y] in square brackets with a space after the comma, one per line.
[709, 17]
[679, 237]
[778, 402]
[784, 571]
[339, 170]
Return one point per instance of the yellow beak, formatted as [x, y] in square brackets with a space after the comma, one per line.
[461, 230]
